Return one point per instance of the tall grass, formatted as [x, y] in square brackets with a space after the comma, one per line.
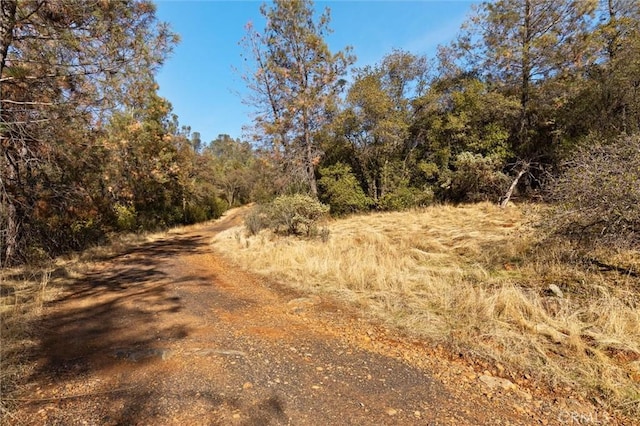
[23, 291]
[476, 277]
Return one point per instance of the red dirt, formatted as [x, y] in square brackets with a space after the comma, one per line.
[169, 333]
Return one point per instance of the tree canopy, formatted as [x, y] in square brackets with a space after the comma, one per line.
[90, 148]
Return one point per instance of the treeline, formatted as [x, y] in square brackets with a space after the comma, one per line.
[89, 148]
[525, 85]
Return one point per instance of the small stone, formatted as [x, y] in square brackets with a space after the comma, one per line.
[494, 383]
[392, 411]
[236, 416]
[247, 385]
[556, 291]
[315, 387]
[417, 414]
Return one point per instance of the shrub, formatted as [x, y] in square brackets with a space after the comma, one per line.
[85, 232]
[216, 206]
[598, 197]
[296, 213]
[342, 191]
[126, 217]
[194, 213]
[476, 178]
[404, 197]
[256, 221]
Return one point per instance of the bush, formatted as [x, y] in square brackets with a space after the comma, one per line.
[256, 221]
[85, 232]
[296, 213]
[342, 191]
[598, 197]
[476, 178]
[126, 217]
[404, 198]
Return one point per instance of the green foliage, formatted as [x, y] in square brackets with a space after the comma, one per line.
[57, 96]
[294, 213]
[377, 118]
[231, 164]
[342, 191]
[208, 208]
[476, 178]
[85, 232]
[126, 217]
[598, 196]
[404, 197]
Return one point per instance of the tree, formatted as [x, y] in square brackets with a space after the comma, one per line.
[231, 161]
[608, 103]
[64, 66]
[517, 45]
[342, 191]
[461, 129]
[295, 83]
[147, 169]
[378, 115]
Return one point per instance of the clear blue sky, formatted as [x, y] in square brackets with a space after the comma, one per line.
[205, 91]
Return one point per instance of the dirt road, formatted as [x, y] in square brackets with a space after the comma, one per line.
[170, 334]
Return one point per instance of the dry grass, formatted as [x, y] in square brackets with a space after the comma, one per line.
[23, 291]
[475, 277]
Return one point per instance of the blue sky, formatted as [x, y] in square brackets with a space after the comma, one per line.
[205, 91]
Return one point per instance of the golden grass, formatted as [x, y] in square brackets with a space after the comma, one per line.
[23, 291]
[476, 277]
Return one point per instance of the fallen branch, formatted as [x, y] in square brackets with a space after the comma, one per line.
[507, 196]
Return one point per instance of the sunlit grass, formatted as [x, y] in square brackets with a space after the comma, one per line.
[474, 276]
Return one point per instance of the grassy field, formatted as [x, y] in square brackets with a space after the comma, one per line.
[477, 278]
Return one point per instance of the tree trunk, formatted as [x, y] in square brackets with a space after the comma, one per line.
[8, 178]
[7, 23]
[512, 188]
[309, 160]
[9, 173]
[525, 77]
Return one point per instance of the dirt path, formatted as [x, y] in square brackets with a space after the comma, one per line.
[170, 334]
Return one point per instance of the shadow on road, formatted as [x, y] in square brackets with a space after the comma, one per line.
[115, 319]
